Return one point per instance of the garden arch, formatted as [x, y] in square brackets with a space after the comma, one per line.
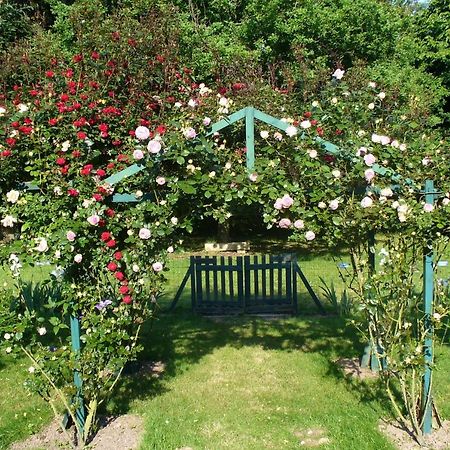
[250, 114]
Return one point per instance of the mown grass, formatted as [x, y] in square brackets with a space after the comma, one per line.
[241, 383]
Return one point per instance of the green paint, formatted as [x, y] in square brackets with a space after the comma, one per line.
[76, 346]
[250, 137]
[125, 173]
[428, 293]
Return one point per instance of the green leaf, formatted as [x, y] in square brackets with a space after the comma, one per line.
[186, 187]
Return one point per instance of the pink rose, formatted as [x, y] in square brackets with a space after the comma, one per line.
[142, 133]
[253, 177]
[428, 207]
[78, 258]
[299, 224]
[369, 159]
[160, 180]
[369, 175]
[310, 235]
[144, 233]
[94, 219]
[278, 204]
[190, 133]
[366, 202]
[206, 121]
[70, 235]
[138, 154]
[157, 266]
[334, 204]
[154, 146]
[284, 223]
[287, 201]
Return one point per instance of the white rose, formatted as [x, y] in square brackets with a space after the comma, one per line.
[42, 245]
[264, 134]
[12, 196]
[8, 221]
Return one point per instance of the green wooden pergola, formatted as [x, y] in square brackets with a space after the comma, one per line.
[250, 115]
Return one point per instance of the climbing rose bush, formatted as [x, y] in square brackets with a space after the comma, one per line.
[81, 124]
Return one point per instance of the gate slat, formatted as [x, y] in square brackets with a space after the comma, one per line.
[215, 286]
[280, 281]
[240, 279]
[246, 280]
[230, 278]
[255, 277]
[288, 283]
[271, 278]
[222, 279]
[207, 286]
[198, 278]
[263, 277]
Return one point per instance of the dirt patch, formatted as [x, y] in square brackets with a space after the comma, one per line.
[123, 432]
[352, 368]
[153, 369]
[403, 439]
[312, 437]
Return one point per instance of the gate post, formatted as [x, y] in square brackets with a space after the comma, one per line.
[76, 347]
[428, 293]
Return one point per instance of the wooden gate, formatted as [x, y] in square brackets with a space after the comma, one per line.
[249, 284]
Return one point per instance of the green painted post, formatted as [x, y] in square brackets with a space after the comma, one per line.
[250, 136]
[428, 293]
[76, 346]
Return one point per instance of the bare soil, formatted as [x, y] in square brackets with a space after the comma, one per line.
[352, 368]
[123, 432]
[313, 437]
[403, 439]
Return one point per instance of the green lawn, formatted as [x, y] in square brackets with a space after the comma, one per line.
[241, 383]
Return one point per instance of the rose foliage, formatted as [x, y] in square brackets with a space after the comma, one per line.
[83, 120]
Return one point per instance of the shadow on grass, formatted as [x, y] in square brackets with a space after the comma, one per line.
[181, 339]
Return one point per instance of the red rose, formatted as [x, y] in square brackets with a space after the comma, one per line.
[115, 35]
[112, 266]
[81, 135]
[161, 129]
[307, 114]
[127, 299]
[116, 143]
[76, 106]
[132, 133]
[11, 142]
[25, 130]
[15, 124]
[319, 131]
[103, 127]
[105, 236]
[64, 97]
[95, 55]
[122, 158]
[101, 173]
[118, 256]
[160, 58]
[314, 122]
[60, 161]
[78, 58]
[5, 153]
[76, 153]
[338, 131]
[111, 243]
[97, 197]
[171, 99]
[110, 166]
[34, 93]
[119, 275]
[124, 289]
[64, 170]
[73, 192]
[68, 73]
[49, 74]
[110, 212]
[52, 122]
[132, 42]
[144, 122]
